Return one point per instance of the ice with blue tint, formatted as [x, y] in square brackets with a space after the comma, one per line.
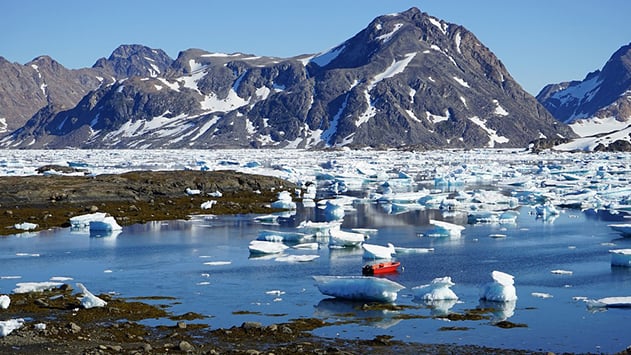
[360, 288]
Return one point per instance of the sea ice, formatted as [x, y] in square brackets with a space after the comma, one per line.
[265, 247]
[501, 289]
[622, 228]
[89, 300]
[107, 224]
[26, 287]
[610, 302]
[83, 221]
[26, 226]
[447, 229]
[365, 288]
[284, 201]
[341, 238]
[373, 251]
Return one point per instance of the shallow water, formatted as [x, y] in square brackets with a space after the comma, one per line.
[206, 266]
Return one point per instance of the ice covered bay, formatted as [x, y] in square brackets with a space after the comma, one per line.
[205, 263]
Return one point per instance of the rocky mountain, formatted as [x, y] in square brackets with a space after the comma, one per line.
[599, 105]
[406, 80]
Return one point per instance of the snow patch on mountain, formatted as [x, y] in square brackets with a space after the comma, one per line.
[493, 137]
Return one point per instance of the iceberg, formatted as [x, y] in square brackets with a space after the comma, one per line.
[283, 236]
[284, 201]
[445, 229]
[107, 224]
[266, 247]
[501, 289]
[438, 290]
[365, 288]
[25, 226]
[89, 300]
[83, 221]
[610, 302]
[340, 238]
[373, 251]
[620, 257]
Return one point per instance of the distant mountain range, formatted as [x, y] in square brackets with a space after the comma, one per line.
[407, 80]
[598, 108]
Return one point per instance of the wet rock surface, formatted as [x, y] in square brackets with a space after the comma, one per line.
[55, 323]
[134, 197]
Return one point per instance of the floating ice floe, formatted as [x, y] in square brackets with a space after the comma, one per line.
[402, 250]
[546, 210]
[284, 201]
[26, 287]
[365, 288]
[107, 224]
[341, 238]
[373, 251]
[610, 302]
[620, 257]
[284, 236]
[439, 289]
[8, 326]
[5, 301]
[501, 289]
[265, 247]
[320, 229]
[88, 300]
[296, 258]
[445, 229]
[622, 228]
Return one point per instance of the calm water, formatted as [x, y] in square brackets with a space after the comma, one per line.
[206, 266]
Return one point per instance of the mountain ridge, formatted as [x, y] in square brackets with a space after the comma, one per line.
[406, 80]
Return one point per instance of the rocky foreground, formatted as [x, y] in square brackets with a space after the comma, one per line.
[56, 323]
[134, 197]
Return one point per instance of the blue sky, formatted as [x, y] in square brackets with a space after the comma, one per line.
[539, 41]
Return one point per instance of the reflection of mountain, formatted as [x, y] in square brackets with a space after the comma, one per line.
[336, 308]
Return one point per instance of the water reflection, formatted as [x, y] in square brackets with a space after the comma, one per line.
[500, 311]
[369, 315]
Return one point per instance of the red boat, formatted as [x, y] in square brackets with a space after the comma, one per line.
[380, 268]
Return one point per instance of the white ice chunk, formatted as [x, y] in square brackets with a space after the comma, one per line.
[284, 201]
[8, 326]
[501, 289]
[5, 301]
[190, 191]
[610, 302]
[373, 251]
[442, 228]
[208, 204]
[26, 287]
[340, 238]
[365, 288]
[108, 224]
[265, 247]
[83, 221]
[26, 226]
[89, 300]
[438, 289]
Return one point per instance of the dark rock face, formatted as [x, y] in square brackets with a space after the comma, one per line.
[406, 80]
[603, 93]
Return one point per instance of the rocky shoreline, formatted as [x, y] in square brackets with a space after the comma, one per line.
[134, 197]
